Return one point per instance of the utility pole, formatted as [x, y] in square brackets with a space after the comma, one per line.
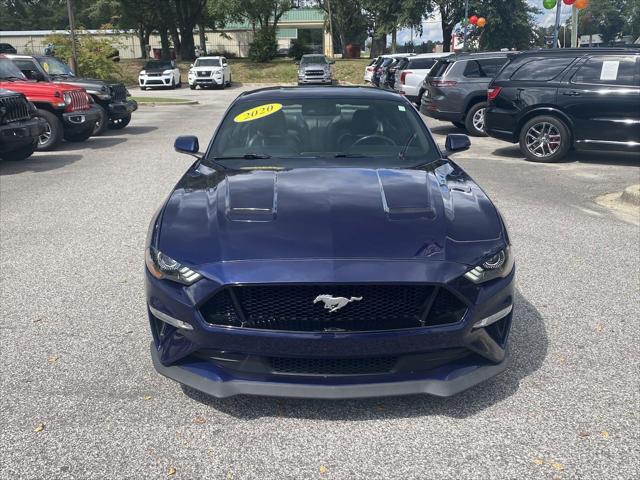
[557, 25]
[331, 27]
[466, 24]
[574, 27]
[72, 30]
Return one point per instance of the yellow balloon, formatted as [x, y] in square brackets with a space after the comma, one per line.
[482, 22]
[581, 4]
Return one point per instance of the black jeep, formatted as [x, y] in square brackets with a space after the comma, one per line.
[19, 127]
[112, 97]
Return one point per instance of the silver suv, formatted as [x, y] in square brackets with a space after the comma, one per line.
[314, 69]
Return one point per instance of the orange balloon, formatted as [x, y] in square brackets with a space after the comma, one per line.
[581, 4]
[482, 22]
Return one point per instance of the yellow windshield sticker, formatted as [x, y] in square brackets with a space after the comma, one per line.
[45, 65]
[257, 112]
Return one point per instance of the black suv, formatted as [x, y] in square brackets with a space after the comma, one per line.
[455, 89]
[19, 126]
[552, 100]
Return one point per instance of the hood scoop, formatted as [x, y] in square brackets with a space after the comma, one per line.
[406, 194]
[251, 197]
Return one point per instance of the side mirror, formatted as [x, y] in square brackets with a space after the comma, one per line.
[187, 144]
[191, 66]
[456, 142]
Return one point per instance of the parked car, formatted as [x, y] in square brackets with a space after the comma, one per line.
[388, 76]
[314, 69]
[20, 128]
[7, 48]
[410, 78]
[67, 111]
[159, 73]
[368, 71]
[552, 100]
[382, 61]
[324, 246]
[209, 72]
[111, 98]
[455, 89]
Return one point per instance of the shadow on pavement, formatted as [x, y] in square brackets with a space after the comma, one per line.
[129, 130]
[38, 163]
[528, 348]
[91, 143]
[446, 129]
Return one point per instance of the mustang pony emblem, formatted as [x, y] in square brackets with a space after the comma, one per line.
[332, 303]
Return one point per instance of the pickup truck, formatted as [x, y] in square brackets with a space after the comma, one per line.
[68, 112]
[112, 98]
[20, 128]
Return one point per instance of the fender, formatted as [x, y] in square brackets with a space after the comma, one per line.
[545, 110]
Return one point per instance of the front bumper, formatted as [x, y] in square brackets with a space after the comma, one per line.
[216, 80]
[155, 81]
[314, 80]
[122, 109]
[16, 135]
[179, 353]
[81, 120]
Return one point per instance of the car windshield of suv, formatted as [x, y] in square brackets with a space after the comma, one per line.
[158, 65]
[208, 62]
[313, 59]
[8, 71]
[321, 131]
[55, 67]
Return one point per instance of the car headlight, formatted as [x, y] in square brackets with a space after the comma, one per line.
[167, 72]
[66, 96]
[162, 266]
[498, 265]
[143, 72]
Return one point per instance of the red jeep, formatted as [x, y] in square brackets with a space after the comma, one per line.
[68, 111]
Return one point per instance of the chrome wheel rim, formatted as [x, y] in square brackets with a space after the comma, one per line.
[543, 139]
[478, 120]
[46, 135]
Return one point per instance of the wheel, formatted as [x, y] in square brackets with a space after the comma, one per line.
[53, 131]
[20, 153]
[143, 88]
[474, 121]
[459, 125]
[120, 123]
[223, 85]
[173, 83]
[192, 87]
[78, 136]
[179, 84]
[229, 84]
[101, 123]
[418, 102]
[545, 139]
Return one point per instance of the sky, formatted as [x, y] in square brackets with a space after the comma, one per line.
[431, 29]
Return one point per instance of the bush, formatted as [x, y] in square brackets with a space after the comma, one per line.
[222, 53]
[298, 49]
[264, 46]
[96, 57]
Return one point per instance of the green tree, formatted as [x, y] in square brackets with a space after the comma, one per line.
[94, 55]
[510, 24]
[350, 25]
[607, 18]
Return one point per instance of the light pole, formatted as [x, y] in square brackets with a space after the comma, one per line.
[557, 25]
[72, 31]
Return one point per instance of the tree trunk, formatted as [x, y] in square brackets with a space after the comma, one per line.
[175, 39]
[394, 40]
[203, 38]
[378, 46]
[187, 45]
[164, 43]
[447, 30]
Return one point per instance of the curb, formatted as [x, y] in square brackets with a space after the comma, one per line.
[155, 104]
[631, 195]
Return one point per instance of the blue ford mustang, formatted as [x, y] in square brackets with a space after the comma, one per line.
[324, 246]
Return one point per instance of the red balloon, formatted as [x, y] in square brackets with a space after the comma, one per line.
[568, 2]
[473, 19]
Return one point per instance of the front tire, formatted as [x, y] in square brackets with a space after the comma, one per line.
[20, 153]
[474, 121]
[192, 87]
[120, 123]
[53, 131]
[459, 125]
[545, 139]
[101, 123]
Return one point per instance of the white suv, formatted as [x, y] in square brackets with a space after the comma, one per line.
[159, 73]
[209, 72]
[409, 80]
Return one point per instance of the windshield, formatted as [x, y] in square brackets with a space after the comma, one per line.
[313, 59]
[158, 65]
[54, 67]
[208, 62]
[9, 71]
[317, 131]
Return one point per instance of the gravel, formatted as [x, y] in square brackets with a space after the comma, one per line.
[74, 336]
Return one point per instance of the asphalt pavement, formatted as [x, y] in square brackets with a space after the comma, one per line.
[80, 398]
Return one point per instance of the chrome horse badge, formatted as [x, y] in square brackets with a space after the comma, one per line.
[332, 303]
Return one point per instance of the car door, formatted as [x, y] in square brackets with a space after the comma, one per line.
[602, 97]
[27, 66]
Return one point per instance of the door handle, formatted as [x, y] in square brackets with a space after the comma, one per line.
[571, 93]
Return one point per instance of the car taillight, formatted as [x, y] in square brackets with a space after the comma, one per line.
[493, 92]
[404, 74]
[444, 83]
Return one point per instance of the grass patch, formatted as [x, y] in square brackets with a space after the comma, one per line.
[155, 100]
[280, 70]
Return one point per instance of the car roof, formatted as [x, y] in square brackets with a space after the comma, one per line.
[211, 57]
[431, 55]
[573, 51]
[347, 92]
[456, 57]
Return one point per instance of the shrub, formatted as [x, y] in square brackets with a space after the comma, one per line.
[264, 46]
[222, 53]
[298, 49]
[96, 57]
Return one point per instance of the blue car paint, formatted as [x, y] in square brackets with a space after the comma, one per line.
[348, 225]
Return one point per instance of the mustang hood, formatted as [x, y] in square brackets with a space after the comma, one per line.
[436, 213]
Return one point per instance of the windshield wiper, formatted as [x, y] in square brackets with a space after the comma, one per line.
[12, 77]
[348, 155]
[246, 156]
[403, 152]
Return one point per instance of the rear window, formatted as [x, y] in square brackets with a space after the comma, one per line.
[422, 63]
[542, 69]
[607, 70]
[439, 68]
[485, 68]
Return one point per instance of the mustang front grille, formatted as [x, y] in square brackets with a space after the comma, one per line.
[333, 308]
